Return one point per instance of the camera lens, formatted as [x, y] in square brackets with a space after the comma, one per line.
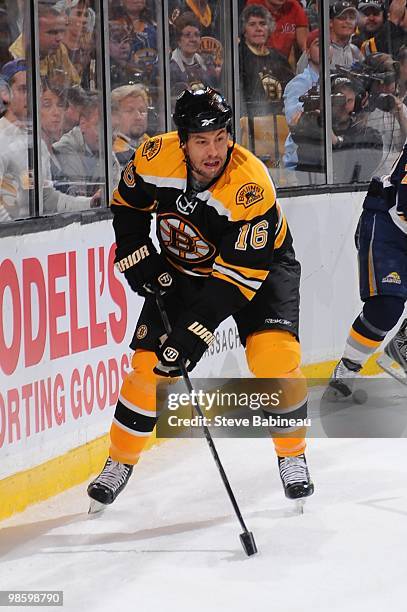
[385, 102]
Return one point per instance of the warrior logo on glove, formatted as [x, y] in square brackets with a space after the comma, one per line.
[170, 354]
[165, 280]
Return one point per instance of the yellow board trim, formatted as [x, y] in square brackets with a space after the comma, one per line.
[54, 476]
[41, 482]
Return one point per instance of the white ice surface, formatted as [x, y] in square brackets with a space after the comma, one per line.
[171, 541]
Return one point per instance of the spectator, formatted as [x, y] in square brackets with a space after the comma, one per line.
[264, 72]
[15, 13]
[54, 58]
[356, 149]
[130, 120]
[291, 25]
[297, 87]
[393, 34]
[78, 39]
[16, 172]
[52, 109]
[145, 30]
[312, 12]
[187, 67]
[131, 60]
[14, 75]
[75, 99]
[53, 104]
[402, 80]
[122, 70]
[207, 13]
[79, 155]
[4, 96]
[5, 38]
[388, 113]
[342, 25]
[371, 19]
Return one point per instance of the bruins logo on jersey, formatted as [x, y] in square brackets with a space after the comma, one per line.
[249, 194]
[141, 332]
[152, 148]
[272, 87]
[183, 241]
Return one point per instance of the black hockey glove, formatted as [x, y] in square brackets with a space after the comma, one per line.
[146, 272]
[188, 341]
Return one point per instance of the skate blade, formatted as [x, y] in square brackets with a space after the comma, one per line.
[96, 507]
[392, 367]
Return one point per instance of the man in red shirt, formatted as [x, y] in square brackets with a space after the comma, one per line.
[291, 24]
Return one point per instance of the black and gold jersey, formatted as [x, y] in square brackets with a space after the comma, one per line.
[228, 233]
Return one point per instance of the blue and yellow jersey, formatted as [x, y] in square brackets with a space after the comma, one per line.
[395, 190]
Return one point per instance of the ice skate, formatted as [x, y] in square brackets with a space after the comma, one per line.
[107, 486]
[296, 479]
[394, 359]
[340, 386]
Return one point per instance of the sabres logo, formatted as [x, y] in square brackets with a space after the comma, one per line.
[393, 278]
[152, 148]
[249, 194]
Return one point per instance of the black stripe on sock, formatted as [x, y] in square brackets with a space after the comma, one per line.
[134, 420]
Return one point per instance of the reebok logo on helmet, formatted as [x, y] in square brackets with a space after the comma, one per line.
[206, 122]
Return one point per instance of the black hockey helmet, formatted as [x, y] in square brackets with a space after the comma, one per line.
[202, 110]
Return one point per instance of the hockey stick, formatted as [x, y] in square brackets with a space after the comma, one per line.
[246, 538]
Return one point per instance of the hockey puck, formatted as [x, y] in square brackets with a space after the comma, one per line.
[359, 396]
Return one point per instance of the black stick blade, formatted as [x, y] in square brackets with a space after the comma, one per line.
[248, 543]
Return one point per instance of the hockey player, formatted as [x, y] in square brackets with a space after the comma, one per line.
[225, 250]
[381, 240]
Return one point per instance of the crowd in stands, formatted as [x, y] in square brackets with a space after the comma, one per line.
[281, 111]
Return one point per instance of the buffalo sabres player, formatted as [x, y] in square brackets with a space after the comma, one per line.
[225, 249]
[381, 240]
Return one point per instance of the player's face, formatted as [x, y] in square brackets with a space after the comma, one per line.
[256, 31]
[207, 153]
